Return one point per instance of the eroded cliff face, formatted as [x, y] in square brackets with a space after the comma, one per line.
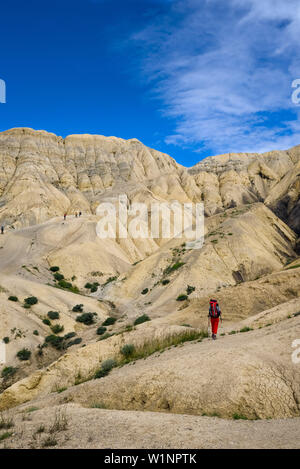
[43, 175]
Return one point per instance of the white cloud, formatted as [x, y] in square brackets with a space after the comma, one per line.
[223, 71]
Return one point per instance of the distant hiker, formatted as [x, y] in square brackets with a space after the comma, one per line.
[2, 229]
[65, 216]
[214, 315]
[80, 214]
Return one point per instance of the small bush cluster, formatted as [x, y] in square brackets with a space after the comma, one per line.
[106, 367]
[53, 315]
[145, 291]
[8, 371]
[24, 354]
[86, 318]
[109, 321]
[30, 301]
[141, 319]
[172, 268]
[181, 298]
[77, 309]
[101, 330]
[93, 287]
[13, 298]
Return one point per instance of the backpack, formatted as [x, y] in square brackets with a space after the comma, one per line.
[214, 310]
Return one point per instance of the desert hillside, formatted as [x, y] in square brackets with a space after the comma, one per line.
[106, 334]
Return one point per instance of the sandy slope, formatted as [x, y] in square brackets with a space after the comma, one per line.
[103, 429]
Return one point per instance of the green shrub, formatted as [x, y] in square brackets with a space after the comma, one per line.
[110, 279]
[70, 335]
[76, 341]
[109, 321]
[165, 281]
[67, 286]
[31, 300]
[86, 318]
[77, 309]
[35, 332]
[127, 350]
[58, 276]
[24, 354]
[55, 268]
[141, 319]
[47, 322]
[106, 367]
[53, 315]
[181, 297]
[5, 435]
[8, 371]
[106, 336]
[173, 267]
[88, 285]
[239, 417]
[94, 288]
[26, 306]
[190, 289]
[6, 340]
[13, 298]
[145, 291]
[57, 329]
[101, 330]
[55, 341]
[246, 329]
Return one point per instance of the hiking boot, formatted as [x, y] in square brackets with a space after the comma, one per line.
[214, 336]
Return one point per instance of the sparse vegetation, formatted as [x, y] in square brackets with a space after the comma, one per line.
[24, 354]
[46, 322]
[109, 280]
[6, 422]
[181, 298]
[145, 291]
[5, 435]
[190, 289]
[49, 441]
[54, 268]
[165, 281]
[239, 417]
[141, 319]
[31, 300]
[57, 328]
[106, 367]
[101, 330]
[132, 353]
[77, 309]
[8, 371]
[172, 268]
[109, 321]
[53, 315]
[6, 340]
[246, 329]
[127, 350]
[86, 318]
[58, 276]
[13, 298]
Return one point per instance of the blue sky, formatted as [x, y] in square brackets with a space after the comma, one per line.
[191, 78]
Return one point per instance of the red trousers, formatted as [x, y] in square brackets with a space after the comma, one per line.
[214, 325]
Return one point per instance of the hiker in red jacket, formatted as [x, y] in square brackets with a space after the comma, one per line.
[214, 315]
